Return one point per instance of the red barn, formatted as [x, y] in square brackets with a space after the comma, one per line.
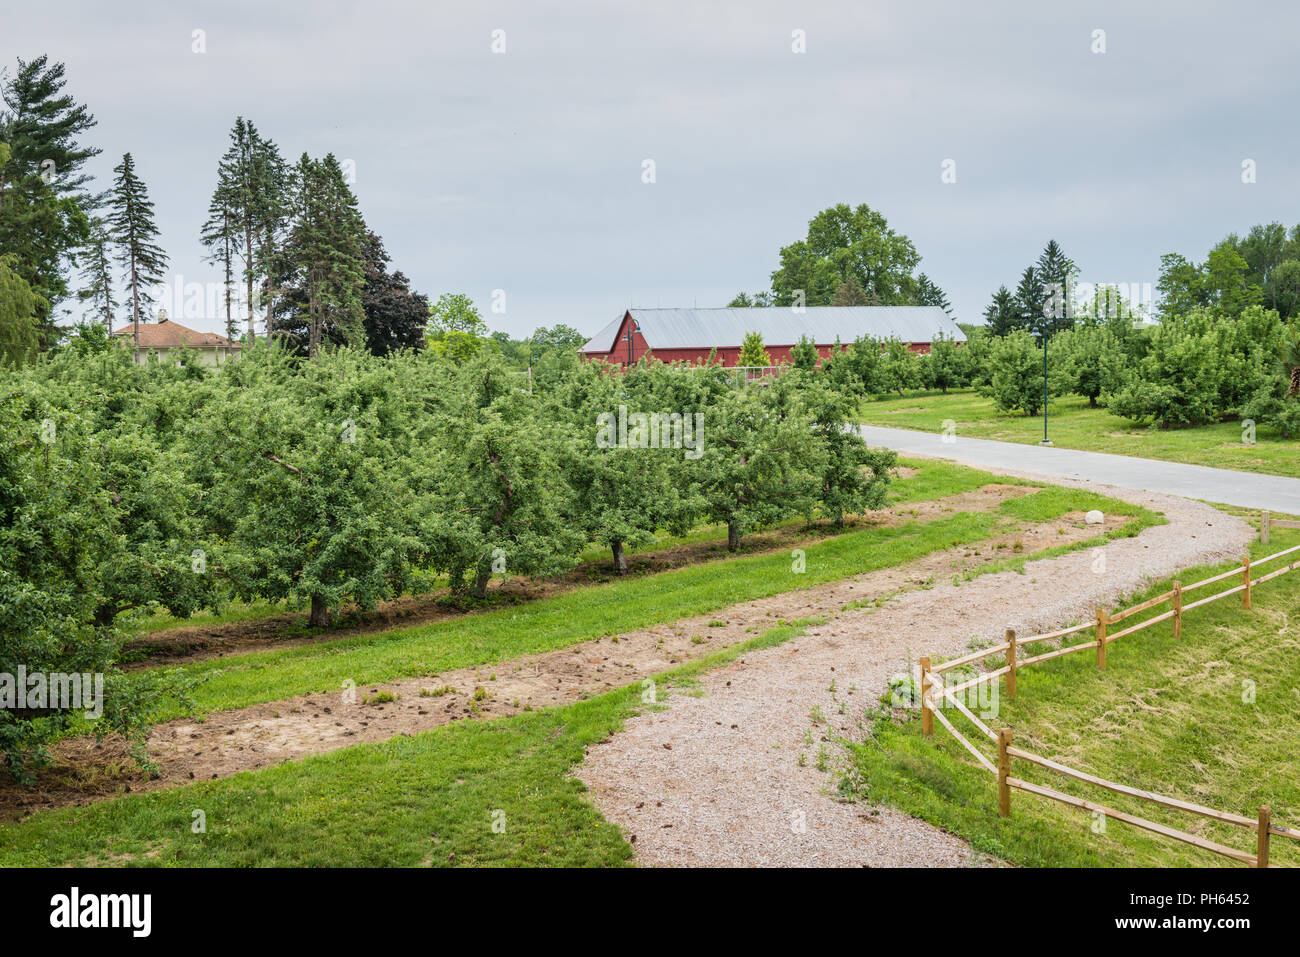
[674, 335]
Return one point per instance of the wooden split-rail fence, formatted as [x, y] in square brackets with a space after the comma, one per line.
[934, 695]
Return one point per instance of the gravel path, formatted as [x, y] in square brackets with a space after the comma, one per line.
[714, 779]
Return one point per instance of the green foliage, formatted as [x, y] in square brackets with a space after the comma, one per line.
[1003, 314]
[804, 355]
[455, 330]
[947, 365]
[1015, 365]
[900, 368]
[752, 352]
[322, 264]
[133, 230]
[19, 328]
[1090, 361]
[44, 208]
[854, 246]
[1199, 368]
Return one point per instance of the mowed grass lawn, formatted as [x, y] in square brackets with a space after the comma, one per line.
[1212, 719]
[476, 793]
[595, 611]
[1073, 425]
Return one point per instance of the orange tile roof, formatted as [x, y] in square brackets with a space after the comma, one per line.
[172, 335]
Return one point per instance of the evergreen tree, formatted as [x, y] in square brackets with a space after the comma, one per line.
[1003, 314]
[929, 294]
[135, 232]
[97, 274]
[222, 236]
[1057, 272]
[253, 183]
[850, 293]
[321, 269]
[44, 207]
[1029, 301]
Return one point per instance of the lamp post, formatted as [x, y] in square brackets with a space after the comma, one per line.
[1046, 440]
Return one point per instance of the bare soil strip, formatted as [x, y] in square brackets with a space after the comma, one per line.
[717, 780]
[262, 735]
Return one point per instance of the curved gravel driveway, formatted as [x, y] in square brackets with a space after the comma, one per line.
[714, 780]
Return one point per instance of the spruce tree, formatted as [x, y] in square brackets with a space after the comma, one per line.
[135, 233]
[253, 182]
[1029, 301]
[322, 268]
[1003, 314]
[1057, 271]
[929, 294]
[97, 274]
[221, 235]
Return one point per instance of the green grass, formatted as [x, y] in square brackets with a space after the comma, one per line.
[599, 610]
[1072, 424]
[428, 799]
[1168, 716]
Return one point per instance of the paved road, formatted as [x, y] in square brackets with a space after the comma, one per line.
[1247, 489]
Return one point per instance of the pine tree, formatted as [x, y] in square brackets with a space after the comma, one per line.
[850, 293]
[1057, 271]
[221, 235]
[1003, 314]
[135, 232]
[254, 182]
[1029, 301]
[97, 274]
[321, 270]
[929, 294]
[44, 207]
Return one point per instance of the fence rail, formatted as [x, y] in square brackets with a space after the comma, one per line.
[935, 694]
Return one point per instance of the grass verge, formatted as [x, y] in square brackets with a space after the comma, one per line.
[1211, 719]
[1073, 425]
[473, 793]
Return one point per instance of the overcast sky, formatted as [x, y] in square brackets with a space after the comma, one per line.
[522, 170]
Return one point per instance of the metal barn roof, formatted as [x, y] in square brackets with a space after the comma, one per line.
[780, 326]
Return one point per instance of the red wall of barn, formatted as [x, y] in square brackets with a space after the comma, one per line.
[779, 354]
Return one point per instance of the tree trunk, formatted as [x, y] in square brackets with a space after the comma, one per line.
[481, 578]
[733, 536]
[620, 560]
[1092, 402]
[320, 612]
[248, 277]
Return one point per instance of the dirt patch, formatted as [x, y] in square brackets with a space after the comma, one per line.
[266, 734]
[188, 643]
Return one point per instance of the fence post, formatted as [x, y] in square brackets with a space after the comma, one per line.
[1178, 610]
[1102, 618]
[1011, 663]
[927, 719]
[1004, 771]
[1261, 841]
[1245, 578]
[1263, 526]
